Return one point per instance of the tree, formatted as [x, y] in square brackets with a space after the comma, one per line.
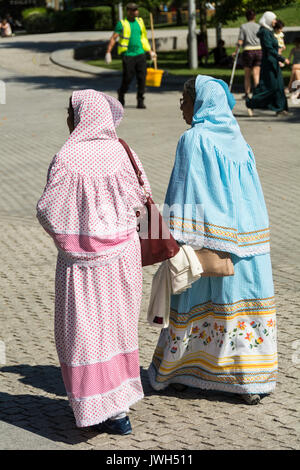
[203, 19]
[178, 4]
[150, 5]
[227, 10]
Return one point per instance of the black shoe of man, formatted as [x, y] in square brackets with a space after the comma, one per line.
[121, 99]
[141, 105]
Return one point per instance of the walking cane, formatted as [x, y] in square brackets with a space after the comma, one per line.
[233, 68]
[153, 40]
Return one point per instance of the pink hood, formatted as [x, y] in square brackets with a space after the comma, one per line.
[90, 200]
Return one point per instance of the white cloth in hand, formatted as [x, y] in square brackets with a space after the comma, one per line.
[185, 268]
[108, 58]
[174, 276]
[160, 298]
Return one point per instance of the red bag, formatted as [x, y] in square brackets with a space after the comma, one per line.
[157, 243]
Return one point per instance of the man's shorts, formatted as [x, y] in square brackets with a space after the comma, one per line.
[252, 58]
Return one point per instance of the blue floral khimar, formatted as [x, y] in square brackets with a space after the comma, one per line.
[222, 332]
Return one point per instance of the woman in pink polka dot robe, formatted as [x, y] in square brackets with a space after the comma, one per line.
[89, 208]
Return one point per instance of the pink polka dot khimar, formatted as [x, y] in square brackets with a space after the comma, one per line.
[88, 207]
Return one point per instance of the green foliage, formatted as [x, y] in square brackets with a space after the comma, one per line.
[145, 14]
[42, 20]
[29, 11]
[83, 19]
[39, 23]
[150, 5]
[78, 19]
[231, 9]
[290, 15]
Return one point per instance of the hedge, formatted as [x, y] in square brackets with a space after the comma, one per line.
[40, 20]
[39, 23]
[78, 19]
[29, 11]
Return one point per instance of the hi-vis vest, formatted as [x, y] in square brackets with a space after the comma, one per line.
[124, 38]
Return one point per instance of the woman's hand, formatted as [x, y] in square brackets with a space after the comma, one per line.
[287, 62]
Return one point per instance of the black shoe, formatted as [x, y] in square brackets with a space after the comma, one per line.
[251, 399]
[179, 387]
[121, 99]
[118, 426]
[141, 105]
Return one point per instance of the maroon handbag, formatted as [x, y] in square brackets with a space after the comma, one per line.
[157, 243]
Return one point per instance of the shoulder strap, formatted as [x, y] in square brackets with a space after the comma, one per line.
[133, 162]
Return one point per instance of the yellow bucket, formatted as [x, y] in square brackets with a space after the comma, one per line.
[153, 77]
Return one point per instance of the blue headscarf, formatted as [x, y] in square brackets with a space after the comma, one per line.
[213, 113]
[214, 192]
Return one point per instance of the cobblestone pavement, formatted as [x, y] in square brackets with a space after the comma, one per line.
[33, 406]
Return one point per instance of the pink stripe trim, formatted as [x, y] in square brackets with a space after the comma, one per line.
[102, 377]
[89, 244]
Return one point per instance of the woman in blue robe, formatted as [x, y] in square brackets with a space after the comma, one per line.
[222, 331]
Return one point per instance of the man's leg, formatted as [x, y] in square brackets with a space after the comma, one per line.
[141, 71]
[128, 63]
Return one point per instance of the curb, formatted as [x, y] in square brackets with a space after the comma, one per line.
[65, 58]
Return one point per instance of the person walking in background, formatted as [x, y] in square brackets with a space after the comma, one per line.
[132, 46]
[252, 53]
[294, 57]
[222, 330]
[269, 94]
[89, 208]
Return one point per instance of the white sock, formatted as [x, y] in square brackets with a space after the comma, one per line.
[119, 416]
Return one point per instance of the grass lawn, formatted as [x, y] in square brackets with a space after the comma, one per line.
[175, 63]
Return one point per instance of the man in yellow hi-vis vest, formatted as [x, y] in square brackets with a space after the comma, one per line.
[133, 45]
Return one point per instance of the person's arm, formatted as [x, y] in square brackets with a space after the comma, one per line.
[240, 41]
[238, 46]
[272, 51]
[118, 30]
[110, 47]
[112, 42]
[151, 53]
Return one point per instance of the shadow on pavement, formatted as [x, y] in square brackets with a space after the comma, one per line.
[44, 377]
[51, 418]
[102, 83]
[67, 82]
[190, 393]
[270, 117]
[49, 46]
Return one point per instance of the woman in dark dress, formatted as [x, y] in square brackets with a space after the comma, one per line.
[269, 94]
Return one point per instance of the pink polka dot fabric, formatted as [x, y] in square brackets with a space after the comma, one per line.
[89, 208]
